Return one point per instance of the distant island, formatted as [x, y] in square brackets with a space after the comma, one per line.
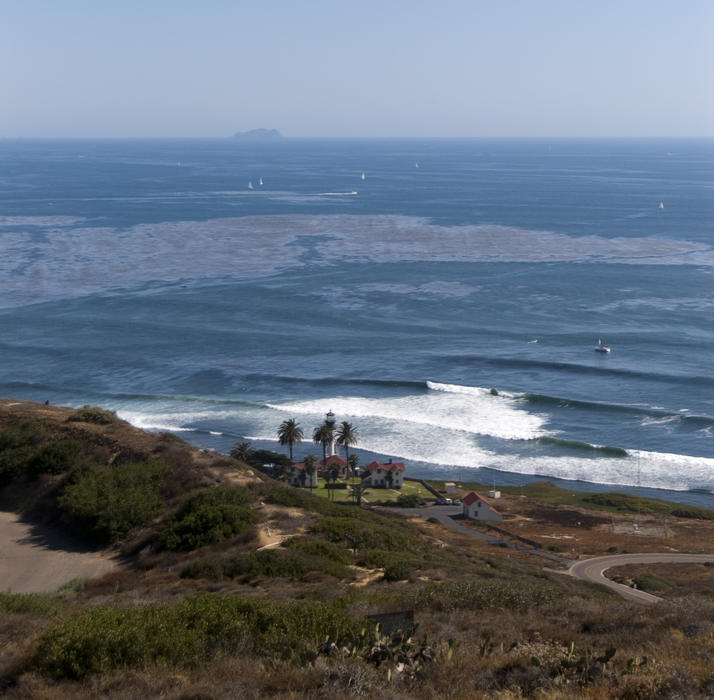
[258, 134]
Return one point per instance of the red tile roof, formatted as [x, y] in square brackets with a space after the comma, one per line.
[472, 497]
[333, 459]
[391, 467]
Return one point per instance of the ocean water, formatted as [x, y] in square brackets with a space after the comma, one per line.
[145, 276]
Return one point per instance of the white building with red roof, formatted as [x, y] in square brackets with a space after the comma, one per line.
[298, 475]
[389, 476]
[477, 508]
[326, 465]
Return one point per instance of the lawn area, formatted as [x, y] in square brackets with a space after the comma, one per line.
[408, 488]
[372, 495]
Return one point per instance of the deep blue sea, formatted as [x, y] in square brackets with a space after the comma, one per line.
[161, 279]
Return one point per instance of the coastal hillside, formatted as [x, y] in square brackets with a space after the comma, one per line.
[225, 583]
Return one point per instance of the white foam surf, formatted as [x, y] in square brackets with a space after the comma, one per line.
[447, 426]
[474, 411]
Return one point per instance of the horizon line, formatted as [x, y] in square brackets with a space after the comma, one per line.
[364, 138]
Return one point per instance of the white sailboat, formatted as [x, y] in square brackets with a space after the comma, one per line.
[661, 206]
[250, 184]
[364, 177]
[601, 348]
[260, 182]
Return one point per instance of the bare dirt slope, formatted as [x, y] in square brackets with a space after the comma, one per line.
[35, 560]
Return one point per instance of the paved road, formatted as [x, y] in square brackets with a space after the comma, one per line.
[593, 570]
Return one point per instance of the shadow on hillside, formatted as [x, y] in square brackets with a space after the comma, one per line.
[56, 538]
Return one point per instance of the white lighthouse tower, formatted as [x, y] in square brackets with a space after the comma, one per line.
[330, 423]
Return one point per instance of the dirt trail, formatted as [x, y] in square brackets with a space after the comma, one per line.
[35, 559]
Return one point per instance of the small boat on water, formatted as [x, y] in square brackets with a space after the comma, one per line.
[364, 177]
[260, 182]
[250, 184]
[601, 348]
[661, 206]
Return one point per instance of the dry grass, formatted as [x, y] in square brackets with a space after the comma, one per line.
[575, 532]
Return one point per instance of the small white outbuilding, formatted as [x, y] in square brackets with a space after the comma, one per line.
[477, 508]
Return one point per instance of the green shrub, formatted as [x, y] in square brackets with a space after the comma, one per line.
[188, 634]
[299, 498]
[652, 583]
[209, 516]
[692, 512]
[171, 437]
[318, 548]
[366, 535]
[56, 457]
[396, 565]
[30, 603]
[257, 458]
[12, 438]
[14, 463]
[635, 504]
[292, 564]
[93, 414]
[105, 503]
[409, 500]
[399, 570]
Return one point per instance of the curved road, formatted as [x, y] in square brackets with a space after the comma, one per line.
[593, 570]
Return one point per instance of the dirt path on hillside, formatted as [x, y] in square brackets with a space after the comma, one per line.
[34, 559]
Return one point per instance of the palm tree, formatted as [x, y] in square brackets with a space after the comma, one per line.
[353, 462]
[289, 433]
[242, 451]
[333, 474]
[346, 437]
[323, 435]
[310, 465]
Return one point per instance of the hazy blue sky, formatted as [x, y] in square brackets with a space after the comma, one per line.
[357, 68]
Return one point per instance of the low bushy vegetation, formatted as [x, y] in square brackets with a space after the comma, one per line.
[318, 548]
[21, 456]
[408, 500]
[628, 503]
[56, 457]
[13, 463]
[397, 566]
[188, 634]
[515, 595]
[298, 498]
[364, 535]
[293, 564]
[13, 437]
[40, 604]
[106, 503]
[93, 414]
[257, 458]
[652, 583]
[209, 516]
